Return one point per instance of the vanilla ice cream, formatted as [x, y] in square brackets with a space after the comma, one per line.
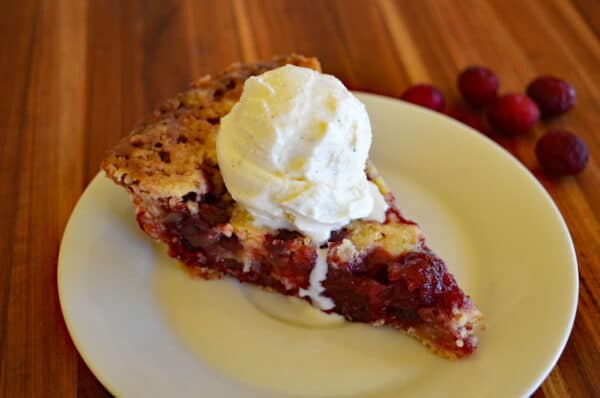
[293, 152]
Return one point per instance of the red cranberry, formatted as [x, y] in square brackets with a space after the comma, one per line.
[513, 113]
[478, 85]
[468, 117]
[425, 95]
[562, 153]
[553, 96]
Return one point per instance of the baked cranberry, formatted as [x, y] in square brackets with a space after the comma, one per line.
[513, 113]
[561, 153]
[357, 298]
[425, 95]
[478, 85]
[423, 274]
[553, 96]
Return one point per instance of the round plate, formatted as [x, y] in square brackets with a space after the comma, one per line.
[145, 328]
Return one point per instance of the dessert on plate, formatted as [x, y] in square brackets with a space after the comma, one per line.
[261, 173]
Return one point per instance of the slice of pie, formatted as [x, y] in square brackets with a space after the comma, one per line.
[377, 273]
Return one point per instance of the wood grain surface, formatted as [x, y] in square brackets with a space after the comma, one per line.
[75, 76]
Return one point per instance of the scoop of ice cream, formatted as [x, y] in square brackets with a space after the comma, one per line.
[293, 150]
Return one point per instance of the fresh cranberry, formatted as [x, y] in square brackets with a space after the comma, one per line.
[425, 95]
[562, 153]
[468, 117]
[513, 113]
[478, 85]
[554, 96]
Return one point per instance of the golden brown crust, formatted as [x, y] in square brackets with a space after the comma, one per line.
[163, 157]
[464, 323]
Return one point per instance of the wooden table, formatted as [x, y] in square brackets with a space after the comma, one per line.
[76, 75]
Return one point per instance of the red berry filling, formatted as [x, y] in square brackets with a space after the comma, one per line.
[413, 290]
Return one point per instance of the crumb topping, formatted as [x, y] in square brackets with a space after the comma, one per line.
[165, 156]
[395, 238]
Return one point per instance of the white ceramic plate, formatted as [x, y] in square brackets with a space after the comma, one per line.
[146, 329]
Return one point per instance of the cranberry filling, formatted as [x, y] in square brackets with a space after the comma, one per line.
[357, 298]
[406, 291]
[292, 260]
[392, 286]
[413, 290]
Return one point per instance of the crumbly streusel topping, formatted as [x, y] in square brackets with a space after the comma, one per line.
[165, 156]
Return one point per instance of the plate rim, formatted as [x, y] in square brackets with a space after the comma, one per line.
[84, 355]
[543, 374]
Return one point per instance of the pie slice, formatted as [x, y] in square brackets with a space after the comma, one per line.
[377, 273]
